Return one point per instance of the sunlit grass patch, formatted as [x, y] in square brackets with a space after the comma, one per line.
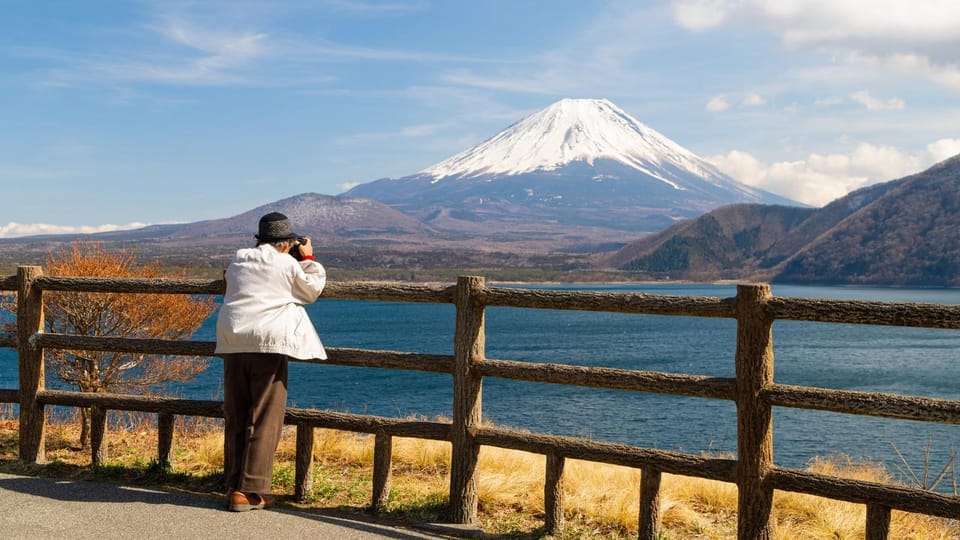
[600, 501]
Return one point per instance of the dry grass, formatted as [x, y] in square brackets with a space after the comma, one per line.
[601, 501]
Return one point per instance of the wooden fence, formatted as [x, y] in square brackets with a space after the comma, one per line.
[753, 390]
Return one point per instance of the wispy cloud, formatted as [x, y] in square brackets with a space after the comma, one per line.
[412, 131]
[21, 173]
[718, 104]
[225, 46]
[829, 101]
[15, 230]
[320, 50]
[378, 7]
[599, 58]
[725, 102]
[864, 98]
[531, 84]
[211, 53]
[206, 61]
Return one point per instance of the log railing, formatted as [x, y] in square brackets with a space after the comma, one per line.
[752, 390]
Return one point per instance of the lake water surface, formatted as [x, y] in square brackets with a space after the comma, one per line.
[910, 361]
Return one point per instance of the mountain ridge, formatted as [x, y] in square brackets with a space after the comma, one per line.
[558, 165]
[596, 206]
[899, 232]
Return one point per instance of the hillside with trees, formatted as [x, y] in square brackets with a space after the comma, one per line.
[901, 232]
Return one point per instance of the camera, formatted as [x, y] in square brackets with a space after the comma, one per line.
[295, 250]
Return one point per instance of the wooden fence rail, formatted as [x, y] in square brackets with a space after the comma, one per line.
[752, 390]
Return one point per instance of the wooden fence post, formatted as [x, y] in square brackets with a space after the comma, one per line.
[553, 494]
[98, 432]
[382, 457]
[468, 348]
[878, 522]
[164, 439]
[649, 504]
[754, 365]
[33, 421]
[303, 468]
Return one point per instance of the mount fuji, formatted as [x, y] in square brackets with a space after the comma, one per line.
[577, 165]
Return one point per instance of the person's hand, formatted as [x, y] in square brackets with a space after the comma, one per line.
[306, 248]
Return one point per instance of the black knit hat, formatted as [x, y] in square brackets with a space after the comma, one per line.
[275, 227]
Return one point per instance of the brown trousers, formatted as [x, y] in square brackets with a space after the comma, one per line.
[254, 402]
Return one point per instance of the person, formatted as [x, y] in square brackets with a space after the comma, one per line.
[261, 325]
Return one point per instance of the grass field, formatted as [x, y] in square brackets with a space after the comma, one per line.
[600, 501]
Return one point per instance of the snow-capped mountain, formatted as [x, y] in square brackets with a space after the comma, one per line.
[578, 162]
[583, 130]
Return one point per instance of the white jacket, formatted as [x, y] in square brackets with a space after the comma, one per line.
[263, 306]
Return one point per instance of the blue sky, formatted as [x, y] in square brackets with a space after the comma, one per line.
[123, 113]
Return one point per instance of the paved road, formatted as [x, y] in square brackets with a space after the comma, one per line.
[46, 508]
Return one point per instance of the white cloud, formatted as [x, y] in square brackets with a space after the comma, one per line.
[347, 186]
[864, 98]
[14, 230]
[945, 74]
[919, 38]
[718, 104]
[752, 99]
[700, 14]
[722, 103]
[820, 178]
[942, 149]
[817, 21]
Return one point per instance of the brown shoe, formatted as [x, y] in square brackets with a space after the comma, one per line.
[244, 502]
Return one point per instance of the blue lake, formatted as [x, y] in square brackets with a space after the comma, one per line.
[921, 362]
